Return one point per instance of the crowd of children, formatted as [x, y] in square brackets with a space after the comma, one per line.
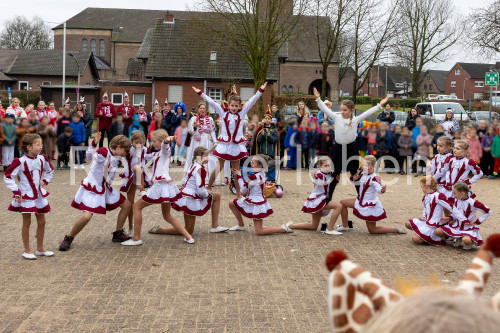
[449, 203]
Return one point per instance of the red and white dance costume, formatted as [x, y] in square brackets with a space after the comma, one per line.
[136, 158]
[231, 146]
[464, 221]
[40, 113]
[32, 173]
[458, 169]
[53, 115]
[434, 204]
[163, 189]
[202, 135]
[193, 198]
[437, 164]
[317, 199]
[254, 205]
[95, 194]
[367, 206]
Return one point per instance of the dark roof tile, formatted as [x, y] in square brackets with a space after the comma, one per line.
[477, 71]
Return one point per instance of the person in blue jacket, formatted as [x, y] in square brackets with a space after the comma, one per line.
[291, 146]
[136, 125]
[177, 115]
[79, 139]
[321, 114]
[305, 139]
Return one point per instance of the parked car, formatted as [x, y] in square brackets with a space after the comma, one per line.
[448, 98]
[477, 116]
[437, 110]
[432, 97]
[495, 101]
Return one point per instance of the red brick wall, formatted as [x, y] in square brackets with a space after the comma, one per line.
[462, 80]
[191, 99]
[115, 87]
[373, 79]
[36, 81]
[74, 40]
[121, 54]
[427, 83]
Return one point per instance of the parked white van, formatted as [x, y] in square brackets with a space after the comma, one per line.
[437, 110]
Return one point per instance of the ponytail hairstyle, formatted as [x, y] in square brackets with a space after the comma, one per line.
[462, 187]
[198, 152]
[28, 140]
[350, 105]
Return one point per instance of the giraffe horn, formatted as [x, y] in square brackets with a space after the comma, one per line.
[479, 270]
[354, 294]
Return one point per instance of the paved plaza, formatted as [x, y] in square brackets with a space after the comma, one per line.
[231, 282]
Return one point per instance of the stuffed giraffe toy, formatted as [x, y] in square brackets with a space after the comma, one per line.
[355, 295]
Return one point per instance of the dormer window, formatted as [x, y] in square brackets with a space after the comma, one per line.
[213, 56]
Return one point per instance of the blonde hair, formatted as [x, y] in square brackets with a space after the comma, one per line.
[430, 182]
[122, 141]
[371, 160]
[436, 310]
[159, 134]
[350, 105]
[462, 143]
[461, 187]
[446, 141]
[138, 135]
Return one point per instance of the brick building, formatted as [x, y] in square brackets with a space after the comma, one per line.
[387, 80]
[433, 82]
[467, 80]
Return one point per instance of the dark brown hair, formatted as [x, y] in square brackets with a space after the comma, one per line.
[235, 98]
[122, 141]
[28, 140]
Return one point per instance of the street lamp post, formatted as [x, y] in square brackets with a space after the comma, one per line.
[404, 92]
[78, 77]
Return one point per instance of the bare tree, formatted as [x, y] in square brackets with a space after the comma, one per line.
[332, 18]
[372, 29]
[345, 52]
[486, 28]
[428, 28]
[22, 33]
[256, 30]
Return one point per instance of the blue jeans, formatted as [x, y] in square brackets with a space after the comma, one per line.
[78, 153]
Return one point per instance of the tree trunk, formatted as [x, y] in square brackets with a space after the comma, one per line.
[324, 81]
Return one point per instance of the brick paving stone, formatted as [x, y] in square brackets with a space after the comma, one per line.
[232, 282]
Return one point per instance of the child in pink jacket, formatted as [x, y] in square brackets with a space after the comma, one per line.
[181, 133]
[475, 148]
[424, 142]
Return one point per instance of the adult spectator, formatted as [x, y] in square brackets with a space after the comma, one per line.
[126, 110]
[105, 112]
[410, 120]
[387, 115]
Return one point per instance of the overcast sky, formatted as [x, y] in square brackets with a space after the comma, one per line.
[58, 11]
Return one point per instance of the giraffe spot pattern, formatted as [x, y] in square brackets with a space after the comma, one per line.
[338, 279]
[351, 292]
[356, 271]
[340, 320]
[470, 277]
[371, 289]
[362, 314]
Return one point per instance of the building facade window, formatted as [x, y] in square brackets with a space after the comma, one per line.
[478, 95]
[215, 94]
[23, 85]
[428, 77]
[117, 98]
[290, 89]
[174, 93]
[284, 89]
[138, 99]
[101, 48]
[453, 84]
[425, 87]
[246, 93]
[430, 86]
[84, 44]
[213, 56]
[478, 84]
[92, 45]
[457, 71]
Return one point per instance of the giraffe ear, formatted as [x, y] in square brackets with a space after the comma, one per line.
[479, 270]
[354, 295]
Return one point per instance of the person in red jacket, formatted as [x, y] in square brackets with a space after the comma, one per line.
[127, 110]
[105, 112]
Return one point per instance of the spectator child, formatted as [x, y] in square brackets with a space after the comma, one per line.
[495, 153]
[395, 147]
[118, 127]
[46, 132]
[424, 141]
[10, 136]
[324, 140]
[181, 134]
[64, 121]
[487, 163]
[415, 133]
[22, 129]
[156, 124]
[64, 141]
[136, 125]
[475, 148]
[482, 129]
[305, 140]
[439, 133]
[405, 144]
[314, 130]
[33, 122]
[78, 139]
[291, 147]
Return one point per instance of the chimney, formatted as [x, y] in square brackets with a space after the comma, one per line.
[169, 17]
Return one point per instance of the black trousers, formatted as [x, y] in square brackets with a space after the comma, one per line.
[339, 156]
[487, 163]
[103, 131]
[63, 158]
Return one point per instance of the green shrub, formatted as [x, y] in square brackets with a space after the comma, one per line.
[25, 97]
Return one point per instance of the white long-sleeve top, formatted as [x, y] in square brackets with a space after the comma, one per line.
[231, 124]
[195, 183]
[255, 187]
[369, 186]
[458, 169]
[321, 182]
[161, 163]
[434, 204]
[437, 164]
[32, 173]
[135, 157]
[464, 211]
[102, 170]
[346, 129]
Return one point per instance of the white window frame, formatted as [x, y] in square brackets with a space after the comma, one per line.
[216, 94]
[213, 55]
[175, 92]
[453, 84]
[457, 71]
[453, 94]
[479, 84]
[246, 93]
[136, 102]
[478, 95]
[113, 98]
[23, 82]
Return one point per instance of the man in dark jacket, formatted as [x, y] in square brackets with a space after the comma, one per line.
[387, 115]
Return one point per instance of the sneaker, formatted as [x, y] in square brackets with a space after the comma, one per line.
[332, 232]
[120, 236]
[217, 183]
[66, 243]
[76, 167]
[189, 241]
[131, 242]
[67, 167]
[238, 228]
[286, 227]
[340, 227]
[219, 229]
[154, 230]
[493, 177]
[82, 167]
[467, 247]
[400, 230]
[29, 256]
[46, 253]
[457, 242]
[58, 167]
[226, 181]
